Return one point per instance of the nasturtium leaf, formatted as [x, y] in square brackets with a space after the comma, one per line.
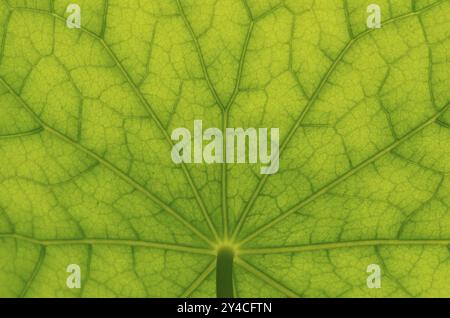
[86, 175]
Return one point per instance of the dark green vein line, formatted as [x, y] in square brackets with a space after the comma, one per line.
[266, 278]
[241, 65]
[23, 134]
[105, 18]
[225, 114]
[430, 63]
[36, 269]
[121, 242]
[200, 55]
[269, 11]
[347, 20]
[443, 124]
[3, 40]
[343, 177]
[247, 9]
[309, 105]
[413, 214]
[413, 5]
[199, 280]
[235, 288]
[387, 273]
[88, 270]
[148, 108]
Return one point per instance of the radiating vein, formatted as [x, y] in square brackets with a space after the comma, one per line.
[36, 269]
[443, 124]
[88, 270]
[241, 65]
[199, 280]
[122, 242]
[225, 114]
[347, 20]
[5, 32]
[266, 278]
[224, 188]
[200, 55]
[348, 244]
[105, 18]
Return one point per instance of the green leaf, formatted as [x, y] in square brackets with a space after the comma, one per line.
[86, 175]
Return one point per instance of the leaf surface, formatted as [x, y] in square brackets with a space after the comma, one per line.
[86, 175]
